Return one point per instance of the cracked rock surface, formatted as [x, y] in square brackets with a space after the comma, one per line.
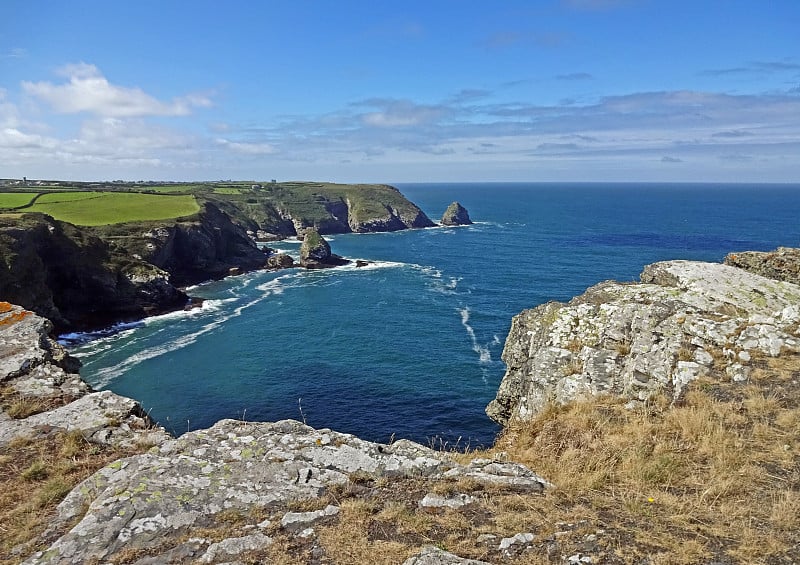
[685, 320]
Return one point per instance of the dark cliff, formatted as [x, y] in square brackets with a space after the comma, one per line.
[205, 246]
[75, 278]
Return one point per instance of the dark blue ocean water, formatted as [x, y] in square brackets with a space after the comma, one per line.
[410, 346]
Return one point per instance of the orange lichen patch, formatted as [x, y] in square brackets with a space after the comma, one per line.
[5, 307]
[14, 318]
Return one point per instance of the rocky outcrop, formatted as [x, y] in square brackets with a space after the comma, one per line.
[193, 251]
[315, 252]
[783, 264]
[455, 215]
[683, 321]
[77, 279]
[280, 261]
[388, 219]
[228, 492]
[35, 371]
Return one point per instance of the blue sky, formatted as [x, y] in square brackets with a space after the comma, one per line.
[550, 90]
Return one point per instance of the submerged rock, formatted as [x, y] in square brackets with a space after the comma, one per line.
[684, 320]
[455, 215]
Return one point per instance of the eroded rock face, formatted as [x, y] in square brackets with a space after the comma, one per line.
[455, 215]
[783, 264]
[682, 321]
[76, 279]
[35, 367]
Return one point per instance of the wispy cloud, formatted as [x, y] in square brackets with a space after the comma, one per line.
[754, 68]
[15, 53]
[574, 76]
[512, 38]
[87, 90]
[668, 159]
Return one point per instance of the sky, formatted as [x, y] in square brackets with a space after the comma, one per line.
[411, 91]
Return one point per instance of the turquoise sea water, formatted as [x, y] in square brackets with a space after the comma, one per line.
[410, 345]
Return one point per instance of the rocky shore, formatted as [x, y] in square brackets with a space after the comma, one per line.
[254, 492]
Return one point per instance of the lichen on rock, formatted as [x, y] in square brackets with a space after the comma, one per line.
[684, 320]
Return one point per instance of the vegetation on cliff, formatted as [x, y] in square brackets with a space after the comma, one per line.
[279, 208]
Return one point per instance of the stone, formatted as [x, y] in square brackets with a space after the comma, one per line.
[234, 466]
[433, 500]
[518, 539]
[297, 520]
[232, 547]
[434, 556]
[35, 366]
[280, 261]
[455, 215]
[635, 340]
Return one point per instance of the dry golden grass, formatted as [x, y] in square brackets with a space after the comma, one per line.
[35, 475]
[714, 477]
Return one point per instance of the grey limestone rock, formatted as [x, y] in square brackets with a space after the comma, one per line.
[233, 466]
[679, 323]
[34, 366]
[431, 555]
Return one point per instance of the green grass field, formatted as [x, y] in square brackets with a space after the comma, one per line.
[15, 199]
[103, 208]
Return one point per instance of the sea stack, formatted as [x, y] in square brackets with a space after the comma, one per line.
[455, 215]
[315, 252]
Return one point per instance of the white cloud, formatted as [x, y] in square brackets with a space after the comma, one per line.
[15, 53]
[247, 148]
[89, 91]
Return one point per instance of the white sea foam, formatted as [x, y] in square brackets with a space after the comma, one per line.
[484, 355]
[371, 265]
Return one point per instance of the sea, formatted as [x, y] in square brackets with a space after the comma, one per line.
[410, 346]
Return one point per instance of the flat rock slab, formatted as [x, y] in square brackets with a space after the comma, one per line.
[140, 501]
[434, 556]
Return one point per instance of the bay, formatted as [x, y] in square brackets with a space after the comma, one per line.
[409, 346]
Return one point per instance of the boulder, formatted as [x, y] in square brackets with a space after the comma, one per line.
[684, 320]
[455, 215]
[280, 261]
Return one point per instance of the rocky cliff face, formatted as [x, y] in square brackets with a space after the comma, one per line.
[683, 321]
[236, 491]
[77, 279]
[390, 219]
[192, 251]
[783, 264]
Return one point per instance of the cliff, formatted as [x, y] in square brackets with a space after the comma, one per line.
[685, 320]
[291, 208]
[248, 491]
[75, 278]
[191, 250]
